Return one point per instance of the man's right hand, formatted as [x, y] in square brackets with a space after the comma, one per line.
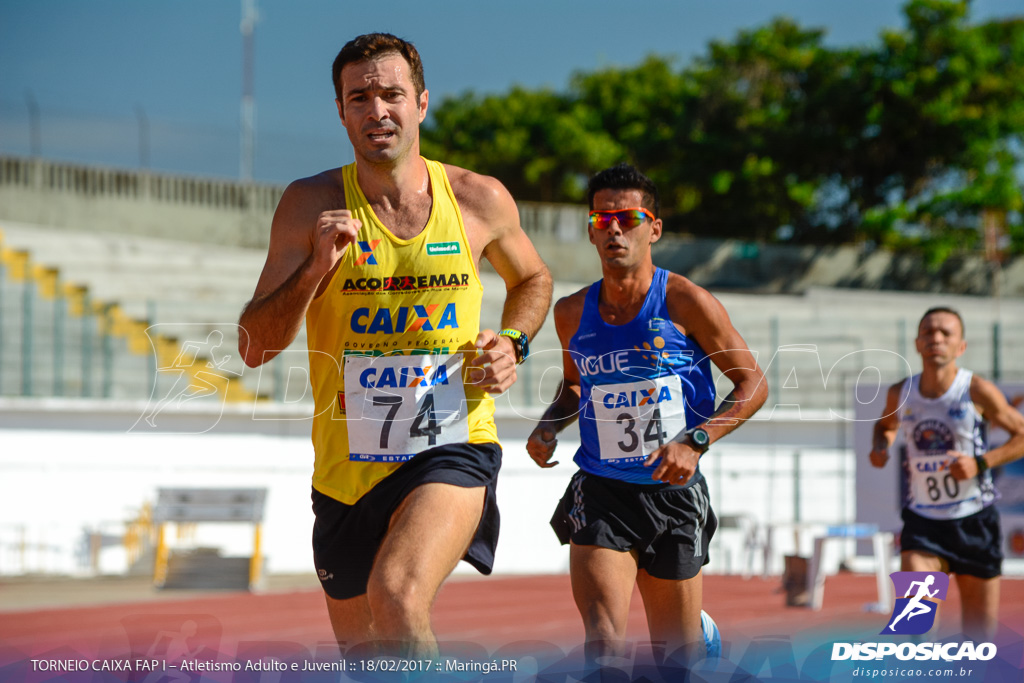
[541, 446]
[879, 457]
[335, 231]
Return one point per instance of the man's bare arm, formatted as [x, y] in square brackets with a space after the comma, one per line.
[565, 409]
[304, 247]
[496, 232]
[708, 324]
[998, 412]
[885, 429]
[528, 283]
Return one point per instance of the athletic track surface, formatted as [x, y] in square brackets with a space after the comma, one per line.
[477, 617]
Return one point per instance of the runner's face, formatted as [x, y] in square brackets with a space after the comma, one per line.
[380, 109]
[940, 339]
[618, 247]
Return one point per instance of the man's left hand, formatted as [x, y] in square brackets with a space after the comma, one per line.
[494, 368]
[678, 463]
[964, 467]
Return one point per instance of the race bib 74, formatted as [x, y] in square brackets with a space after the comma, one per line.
[398, 406]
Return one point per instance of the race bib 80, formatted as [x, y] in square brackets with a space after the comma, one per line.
[398, 406]
[635, 418]
[934, 486]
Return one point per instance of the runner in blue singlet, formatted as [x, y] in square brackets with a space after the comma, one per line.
[637, 354]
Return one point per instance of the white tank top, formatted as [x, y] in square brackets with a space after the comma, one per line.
[931, 427]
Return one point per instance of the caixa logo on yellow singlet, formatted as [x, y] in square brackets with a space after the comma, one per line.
[415, 318]
[367, 257]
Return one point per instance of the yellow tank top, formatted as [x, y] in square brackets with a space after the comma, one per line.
[386, 342]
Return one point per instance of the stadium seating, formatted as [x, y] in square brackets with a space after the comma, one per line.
[119, 316]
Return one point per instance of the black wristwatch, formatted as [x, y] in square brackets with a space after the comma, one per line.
[700, 440]
[982, 464]
[520, 342]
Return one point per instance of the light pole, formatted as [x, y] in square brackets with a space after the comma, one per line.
[248, 27]
[140, 115]
[34, 125]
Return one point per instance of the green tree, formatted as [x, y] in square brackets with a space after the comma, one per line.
[772, 135]
[747, 156]
[948, 120]
[541, 145]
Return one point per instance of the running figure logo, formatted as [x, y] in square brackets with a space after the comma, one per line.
[914, 613]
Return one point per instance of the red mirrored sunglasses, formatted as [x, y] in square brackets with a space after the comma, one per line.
[626, 218]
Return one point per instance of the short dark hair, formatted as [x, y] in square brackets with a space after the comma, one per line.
[943, 309]
[625, 177]
[373, 45]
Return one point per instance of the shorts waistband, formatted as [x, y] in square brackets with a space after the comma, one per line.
[645, 488]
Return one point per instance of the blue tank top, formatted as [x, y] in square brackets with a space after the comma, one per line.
[642, 383]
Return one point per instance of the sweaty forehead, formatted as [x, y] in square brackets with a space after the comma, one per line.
[385, 71]
[940, 321]
[617, 199]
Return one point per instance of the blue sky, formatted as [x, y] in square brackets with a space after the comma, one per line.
[96, 68]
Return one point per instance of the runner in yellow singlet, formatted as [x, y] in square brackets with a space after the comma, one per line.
[379, 258]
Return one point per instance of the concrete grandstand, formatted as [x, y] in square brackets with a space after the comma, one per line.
[94, 308]
[123, 289]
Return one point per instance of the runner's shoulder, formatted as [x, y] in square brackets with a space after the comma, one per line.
[568, 311]
[327, 185]
[682, 287]
[314, 194]
[570, 308]
[689, 302]
[484, 197]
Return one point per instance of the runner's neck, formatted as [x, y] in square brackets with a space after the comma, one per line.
[936, 383]
[393, 185]
[622, 296]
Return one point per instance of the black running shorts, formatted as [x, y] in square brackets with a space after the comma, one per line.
[971, 545]
[346, 537]
[668, 526]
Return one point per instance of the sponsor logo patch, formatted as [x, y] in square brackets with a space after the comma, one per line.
[405, 283]
[932, 437]
[367, 257]
[441, 248]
